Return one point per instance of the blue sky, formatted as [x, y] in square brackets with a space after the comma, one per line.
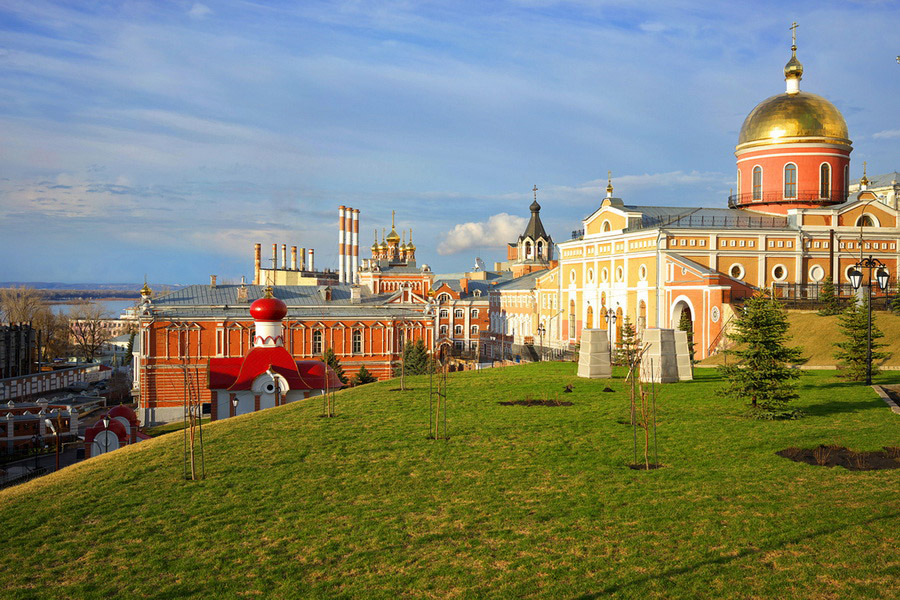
[165, 138]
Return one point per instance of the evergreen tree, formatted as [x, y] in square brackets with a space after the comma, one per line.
[129, 349]
[331, 359]
[830, 303]
[686, 324]
[363, 376]
[627, 348]
[416, 360]
[854, 323]
[895, 305]
[763, 374]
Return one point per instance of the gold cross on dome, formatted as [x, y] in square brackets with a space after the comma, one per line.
[793, 29]
[535, 192]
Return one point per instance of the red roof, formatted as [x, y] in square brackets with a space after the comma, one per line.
[268, 309]
[239, 373]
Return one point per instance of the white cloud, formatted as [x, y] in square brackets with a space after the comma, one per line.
[887, 134]
[199, 11]
[496, 232]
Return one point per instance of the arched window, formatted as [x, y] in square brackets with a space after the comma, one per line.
[473, 330]
[790, 180]
[589, 321]
[825, 181]
[474, 313]
[443, 330]
[757, 183]
[317, 342]
[738, 184]
[457, 330]
[445, 313]
[528, 250]
[642, 315]
[357, 342]
[606, 226]
[458, 313]
[865, 221]
[571, 318]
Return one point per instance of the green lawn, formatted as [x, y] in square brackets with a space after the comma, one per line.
[520, 502]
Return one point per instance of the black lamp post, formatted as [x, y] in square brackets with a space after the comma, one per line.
[106, 432]
[234, 403]
[882, 276]
[56, 432]
[610, 317]
[541, 330]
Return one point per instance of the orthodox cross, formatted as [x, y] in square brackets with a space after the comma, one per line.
[793, 29]
[535, 192]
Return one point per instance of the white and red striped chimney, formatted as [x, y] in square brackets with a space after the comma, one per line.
[354, 267]
[342, 225]
[311, 264]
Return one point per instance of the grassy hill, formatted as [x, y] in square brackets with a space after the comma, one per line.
[520, 502]
[817, 336]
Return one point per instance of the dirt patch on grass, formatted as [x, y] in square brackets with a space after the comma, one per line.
[644, 467]
[838, 456]
[536, 402]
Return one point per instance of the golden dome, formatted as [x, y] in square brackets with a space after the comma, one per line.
[791, 118]
[146, 291]
[393, 237]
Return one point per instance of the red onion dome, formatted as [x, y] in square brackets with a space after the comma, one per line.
[268, 309]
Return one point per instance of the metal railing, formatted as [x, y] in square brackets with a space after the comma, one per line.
[693, 221]
[739, 200]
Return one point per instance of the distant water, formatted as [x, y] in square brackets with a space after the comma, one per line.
[113, 308]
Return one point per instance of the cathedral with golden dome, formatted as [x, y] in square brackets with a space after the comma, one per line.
[791, 223]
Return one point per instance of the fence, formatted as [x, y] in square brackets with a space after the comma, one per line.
[37, 383]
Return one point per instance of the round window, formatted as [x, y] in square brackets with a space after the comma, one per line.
[590, 276]
[736, 271]
[779, 272]
[714, 314]
[620, 274]
[604, 274]
[817, 273]
[270, 388]
[642, 273]
[572, 276]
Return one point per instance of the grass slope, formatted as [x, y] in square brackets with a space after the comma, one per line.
[817, 336]
[520, 502]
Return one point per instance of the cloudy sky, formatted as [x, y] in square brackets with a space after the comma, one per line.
[164, 138]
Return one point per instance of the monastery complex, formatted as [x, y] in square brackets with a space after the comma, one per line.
[793, 220]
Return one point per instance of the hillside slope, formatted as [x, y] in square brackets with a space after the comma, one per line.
[520, 502]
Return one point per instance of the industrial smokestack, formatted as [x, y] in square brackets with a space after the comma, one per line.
[312, 254]
[341, 249]
[284, 256]
[257, 262]
[302, 259]
[274, 257]
[354, 267]
[293, 258]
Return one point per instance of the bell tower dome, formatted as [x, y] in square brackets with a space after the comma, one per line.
[793, 150]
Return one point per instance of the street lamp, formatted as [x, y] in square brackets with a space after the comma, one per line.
[881, 276]
[541, 330]
[106, 432]
[49, 424]
[610, 317]
[234, 403]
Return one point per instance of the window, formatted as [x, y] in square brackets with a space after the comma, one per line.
[779, 272]
[474, 313]
[736, 271]
[357, 342]
[443, 330]
[606, 226]
[443, 298]
[457, 330]
[445, 313]
[473, 330]
[604, 274]
[458, 313]
[642, 273]
[739, 183]
[817, 273]
[790, 180]
[572, 276]
[620, 274]
[590, 276]
[846, 179]
[757, 183]
[825, 181]
[865, 221]
[317, 342]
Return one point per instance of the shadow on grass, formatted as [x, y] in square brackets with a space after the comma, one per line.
[722, 560]
[837, 406]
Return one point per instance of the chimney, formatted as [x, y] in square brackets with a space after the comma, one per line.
[355, 294]
[257, 262]
[464, 284]
[274, 258]
[341, 249]
[311, 265]
[212, 281]
[284, 256]
[293, 258]
[354, 276]
[325, 293]
[302, 264]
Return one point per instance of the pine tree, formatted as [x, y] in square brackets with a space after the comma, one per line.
[363, 376]
[416, 360]
[129, 349]
[331, 359]
[854, 323]
[895, 305]
[686, 324]
[763, 375]
[627, 348]
[830, 304]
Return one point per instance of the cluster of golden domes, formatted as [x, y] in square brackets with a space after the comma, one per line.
[794, 116]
